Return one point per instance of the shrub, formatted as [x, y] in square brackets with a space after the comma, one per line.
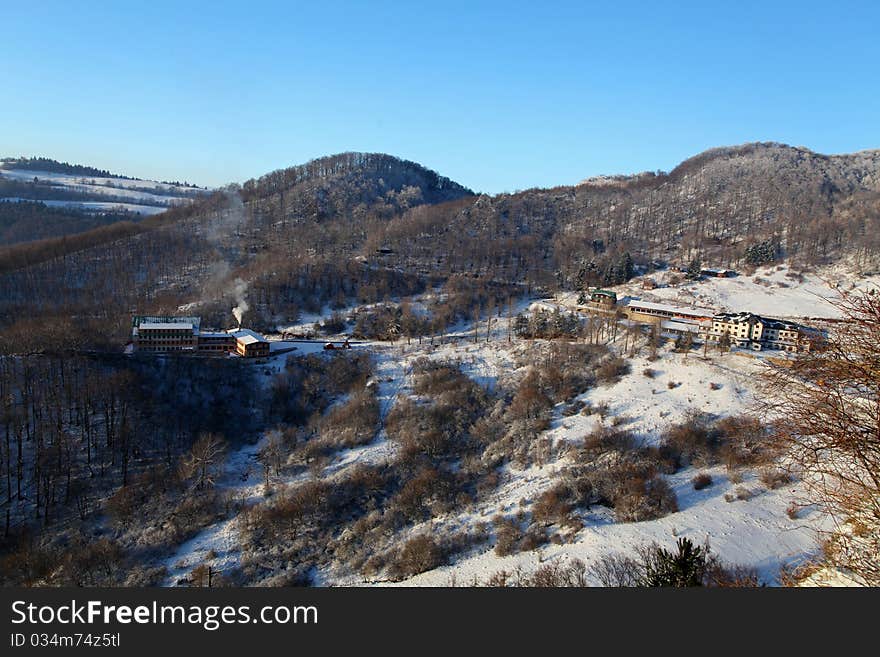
[694, 440]
[611, 369]
[650, 373]
[617, 570]
[419, 554]
[507, 536]
[334, 324]
[556, 575]
[534, 538]
[701, 481]
[740, 493]
[552, 506]
[744, 442]
[773, 478]
[603, 440]
[645, 500]
[353, 423]
[731, 576]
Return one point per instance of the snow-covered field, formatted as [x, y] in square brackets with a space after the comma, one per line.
[138, 196]
[97, 206]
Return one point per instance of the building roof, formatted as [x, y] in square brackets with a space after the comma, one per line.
[663, 307]
[607, 293]
[164, 323]
[768, 322]
[672, 325]
[246, 336]
[166, 326]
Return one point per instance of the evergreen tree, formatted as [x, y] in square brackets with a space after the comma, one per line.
[763, 253]
[626, 269]
[694, 270]
[686, 567]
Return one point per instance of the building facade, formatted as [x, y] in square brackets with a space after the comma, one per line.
[165, 334]
[647, 311]
[757, 332]
[249, 344]
[183, 335]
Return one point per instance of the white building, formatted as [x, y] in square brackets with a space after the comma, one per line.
[756, 332]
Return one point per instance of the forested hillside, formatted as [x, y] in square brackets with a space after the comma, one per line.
[357, 227]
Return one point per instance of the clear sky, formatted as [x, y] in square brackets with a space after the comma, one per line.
[496, 95]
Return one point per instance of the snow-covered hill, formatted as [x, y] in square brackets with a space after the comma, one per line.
[94, 194]
[746, 518]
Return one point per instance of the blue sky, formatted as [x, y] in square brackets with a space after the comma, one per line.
[496, 95]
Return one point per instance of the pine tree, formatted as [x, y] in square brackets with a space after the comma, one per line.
[686, 567]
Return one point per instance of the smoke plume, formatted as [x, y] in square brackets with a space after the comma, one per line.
[240, 291]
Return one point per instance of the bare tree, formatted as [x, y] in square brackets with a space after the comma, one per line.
[828, 403]
[202, 463]
[271, 454]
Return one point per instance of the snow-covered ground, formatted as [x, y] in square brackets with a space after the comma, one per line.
[775, 291]
[758, 531]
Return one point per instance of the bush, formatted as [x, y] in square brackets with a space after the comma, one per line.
[419, 554]
[556, 575]
[645, 500]
[617, 570]
[611, 369]
[549, 575]
[507, 536]
[740, 493]
[695, 440]
[773, 478]
[334, 324]
[701, 481]
[552, 506]
[534, 538]
[650, 373]
[744, 442]
[353, 423]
